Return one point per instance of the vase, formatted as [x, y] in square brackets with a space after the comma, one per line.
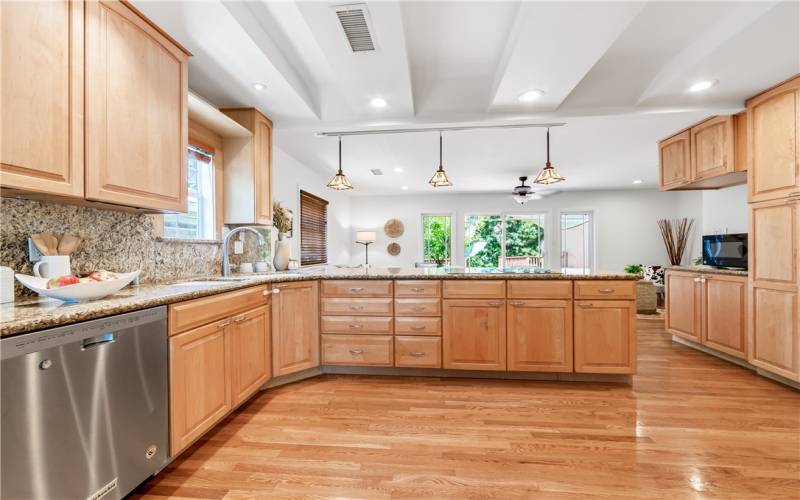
[283, 253]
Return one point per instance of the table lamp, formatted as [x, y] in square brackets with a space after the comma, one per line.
[365, 238]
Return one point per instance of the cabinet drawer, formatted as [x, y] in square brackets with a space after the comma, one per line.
[193, 313]
[372, 350]
[474, 289]
[418, 326]
[356, 288]
[605, 289]
[418, 307]
[420, 352]
[357, 307]
[418, 288]
[539, 289]
[356, 324]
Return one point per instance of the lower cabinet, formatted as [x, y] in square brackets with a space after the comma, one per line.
[683, 303]
[295, 327]
[474, 334]
[363, 350]
[540, 335]
[250, 347]
[776, 331]
[418, 351]
[605, 336]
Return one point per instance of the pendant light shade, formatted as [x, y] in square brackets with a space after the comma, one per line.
[440, 179]
[340, 182]
[548, 175]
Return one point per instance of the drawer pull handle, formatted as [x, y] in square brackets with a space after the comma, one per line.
[356, 327]
[585, 306]
[276, 290]
[418, 327]
[223, 324]
[417, 289]
[356, 289]
[356, 352]
[239, 319]
[418, 308]
[516, 303]
[356, 308]
[606, 290]
[417, 354]
[496, 303]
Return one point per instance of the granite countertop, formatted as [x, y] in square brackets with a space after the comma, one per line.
[709, 270]
[28, 314]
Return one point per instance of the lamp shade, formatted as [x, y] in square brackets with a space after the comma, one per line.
[365, 235]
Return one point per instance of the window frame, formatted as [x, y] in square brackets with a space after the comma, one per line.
[593, 235]
[421, 248]
[548, 237]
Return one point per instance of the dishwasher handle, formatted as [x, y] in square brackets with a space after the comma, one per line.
[95, 342]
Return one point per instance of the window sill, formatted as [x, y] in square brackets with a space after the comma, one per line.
[188, 240]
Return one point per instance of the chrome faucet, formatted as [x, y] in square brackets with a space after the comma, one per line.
[226, 266]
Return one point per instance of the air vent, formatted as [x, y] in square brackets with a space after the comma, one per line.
[354, 20]
[376, 171]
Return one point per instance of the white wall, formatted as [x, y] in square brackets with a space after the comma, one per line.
[289, 176]
[725, 210]
[625, 222]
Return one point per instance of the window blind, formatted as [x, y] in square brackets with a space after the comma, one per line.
[313, 229]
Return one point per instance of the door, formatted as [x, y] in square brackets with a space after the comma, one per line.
[263, 166]
[725, 314]
[41, 97]
[295, 327]
[250, 346]
[540, 335]
[605, 336]
[712, 147]
[683, 304]
[773, 120]
[474, 334]
[136, 111]
[674, 161]
[199, 382]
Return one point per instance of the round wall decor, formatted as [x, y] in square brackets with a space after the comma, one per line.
[394, 228]
[393, 249]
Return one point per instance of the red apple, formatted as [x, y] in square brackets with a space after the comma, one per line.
[102, 275]
[61, 281]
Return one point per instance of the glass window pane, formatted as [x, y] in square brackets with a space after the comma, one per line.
[482, 240]
[576, 242]
[198, 221]
[436, 237]
[524, 242]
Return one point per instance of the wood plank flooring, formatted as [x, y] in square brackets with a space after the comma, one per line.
[690, 426]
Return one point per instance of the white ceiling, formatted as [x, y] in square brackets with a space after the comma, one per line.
[616, 72]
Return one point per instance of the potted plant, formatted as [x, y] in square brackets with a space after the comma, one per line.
[634, 269]
[282, 221]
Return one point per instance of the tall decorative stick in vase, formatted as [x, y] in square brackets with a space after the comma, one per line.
[675, 234]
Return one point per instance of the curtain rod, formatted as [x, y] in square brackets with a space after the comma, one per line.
[436, 129]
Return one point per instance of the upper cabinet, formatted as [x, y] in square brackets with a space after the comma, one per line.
[709, 155]
[248, 170]
[41, 97]
[97, 96]
[774, 138]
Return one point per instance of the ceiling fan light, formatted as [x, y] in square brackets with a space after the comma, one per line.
[548, 175]
[440, 179]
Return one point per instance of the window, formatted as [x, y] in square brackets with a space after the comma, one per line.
[199, 220]
[577, 242]
[313, 229]
[501, 241]
[436, 238]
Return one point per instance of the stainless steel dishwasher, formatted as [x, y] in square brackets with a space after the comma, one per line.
[84, 408]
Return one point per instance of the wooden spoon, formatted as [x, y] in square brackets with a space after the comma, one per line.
[40, 243]
[52, 243]
[68, 244]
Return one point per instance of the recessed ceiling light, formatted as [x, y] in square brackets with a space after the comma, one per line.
[399, 170]
[378, 102]
[702, 85]
[404, 188]
[259, 86]
[637, 181]
[530, 95]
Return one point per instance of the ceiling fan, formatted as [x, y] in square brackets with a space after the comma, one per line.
[524, 193]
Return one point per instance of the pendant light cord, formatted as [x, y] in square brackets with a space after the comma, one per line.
[440, 150]
[548, 145]
[340, 154]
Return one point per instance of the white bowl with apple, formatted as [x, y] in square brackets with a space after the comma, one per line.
[78, 288]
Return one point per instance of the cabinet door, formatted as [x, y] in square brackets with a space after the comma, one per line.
[776, 331]
[136, 111]
[605, 336]
[540, 335]
[774, 241]
[474, 334]
[725, 314]
[712, 147]
[773, 120]
[41, 97]
[199, 382]
[263, 169]
[295, 327]
[674, 161]
[250, 343]
[683, 304]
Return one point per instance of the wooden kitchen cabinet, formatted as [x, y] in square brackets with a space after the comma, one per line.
[41, 97]
[605, 336]
[675, 161]
[250, 347]
[683, 304]
[295, 327]
[248, 170]
[136, 111]
[474, 333]
[712, 150]
[724, 313]
[773, 120]
[540, 335]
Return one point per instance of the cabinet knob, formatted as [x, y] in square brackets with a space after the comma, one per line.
[516, 303]
[417, 289]
[585, 305]
[239, 319]
[417, 354]
[223, 324]
[356, 327]
[356, 289]
[496, 303]
[418, 328]
[276, 290]
[356, 352]
[606, 290]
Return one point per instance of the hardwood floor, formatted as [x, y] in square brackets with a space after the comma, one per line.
[690, 426]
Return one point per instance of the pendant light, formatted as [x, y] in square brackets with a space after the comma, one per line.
[340, 182]
[548, 175]
[523, 193]
[440, 179]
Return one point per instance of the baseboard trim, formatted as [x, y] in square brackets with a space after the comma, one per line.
[778, 378]
[292, 378]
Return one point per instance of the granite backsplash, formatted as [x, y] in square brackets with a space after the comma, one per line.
[112, 240]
